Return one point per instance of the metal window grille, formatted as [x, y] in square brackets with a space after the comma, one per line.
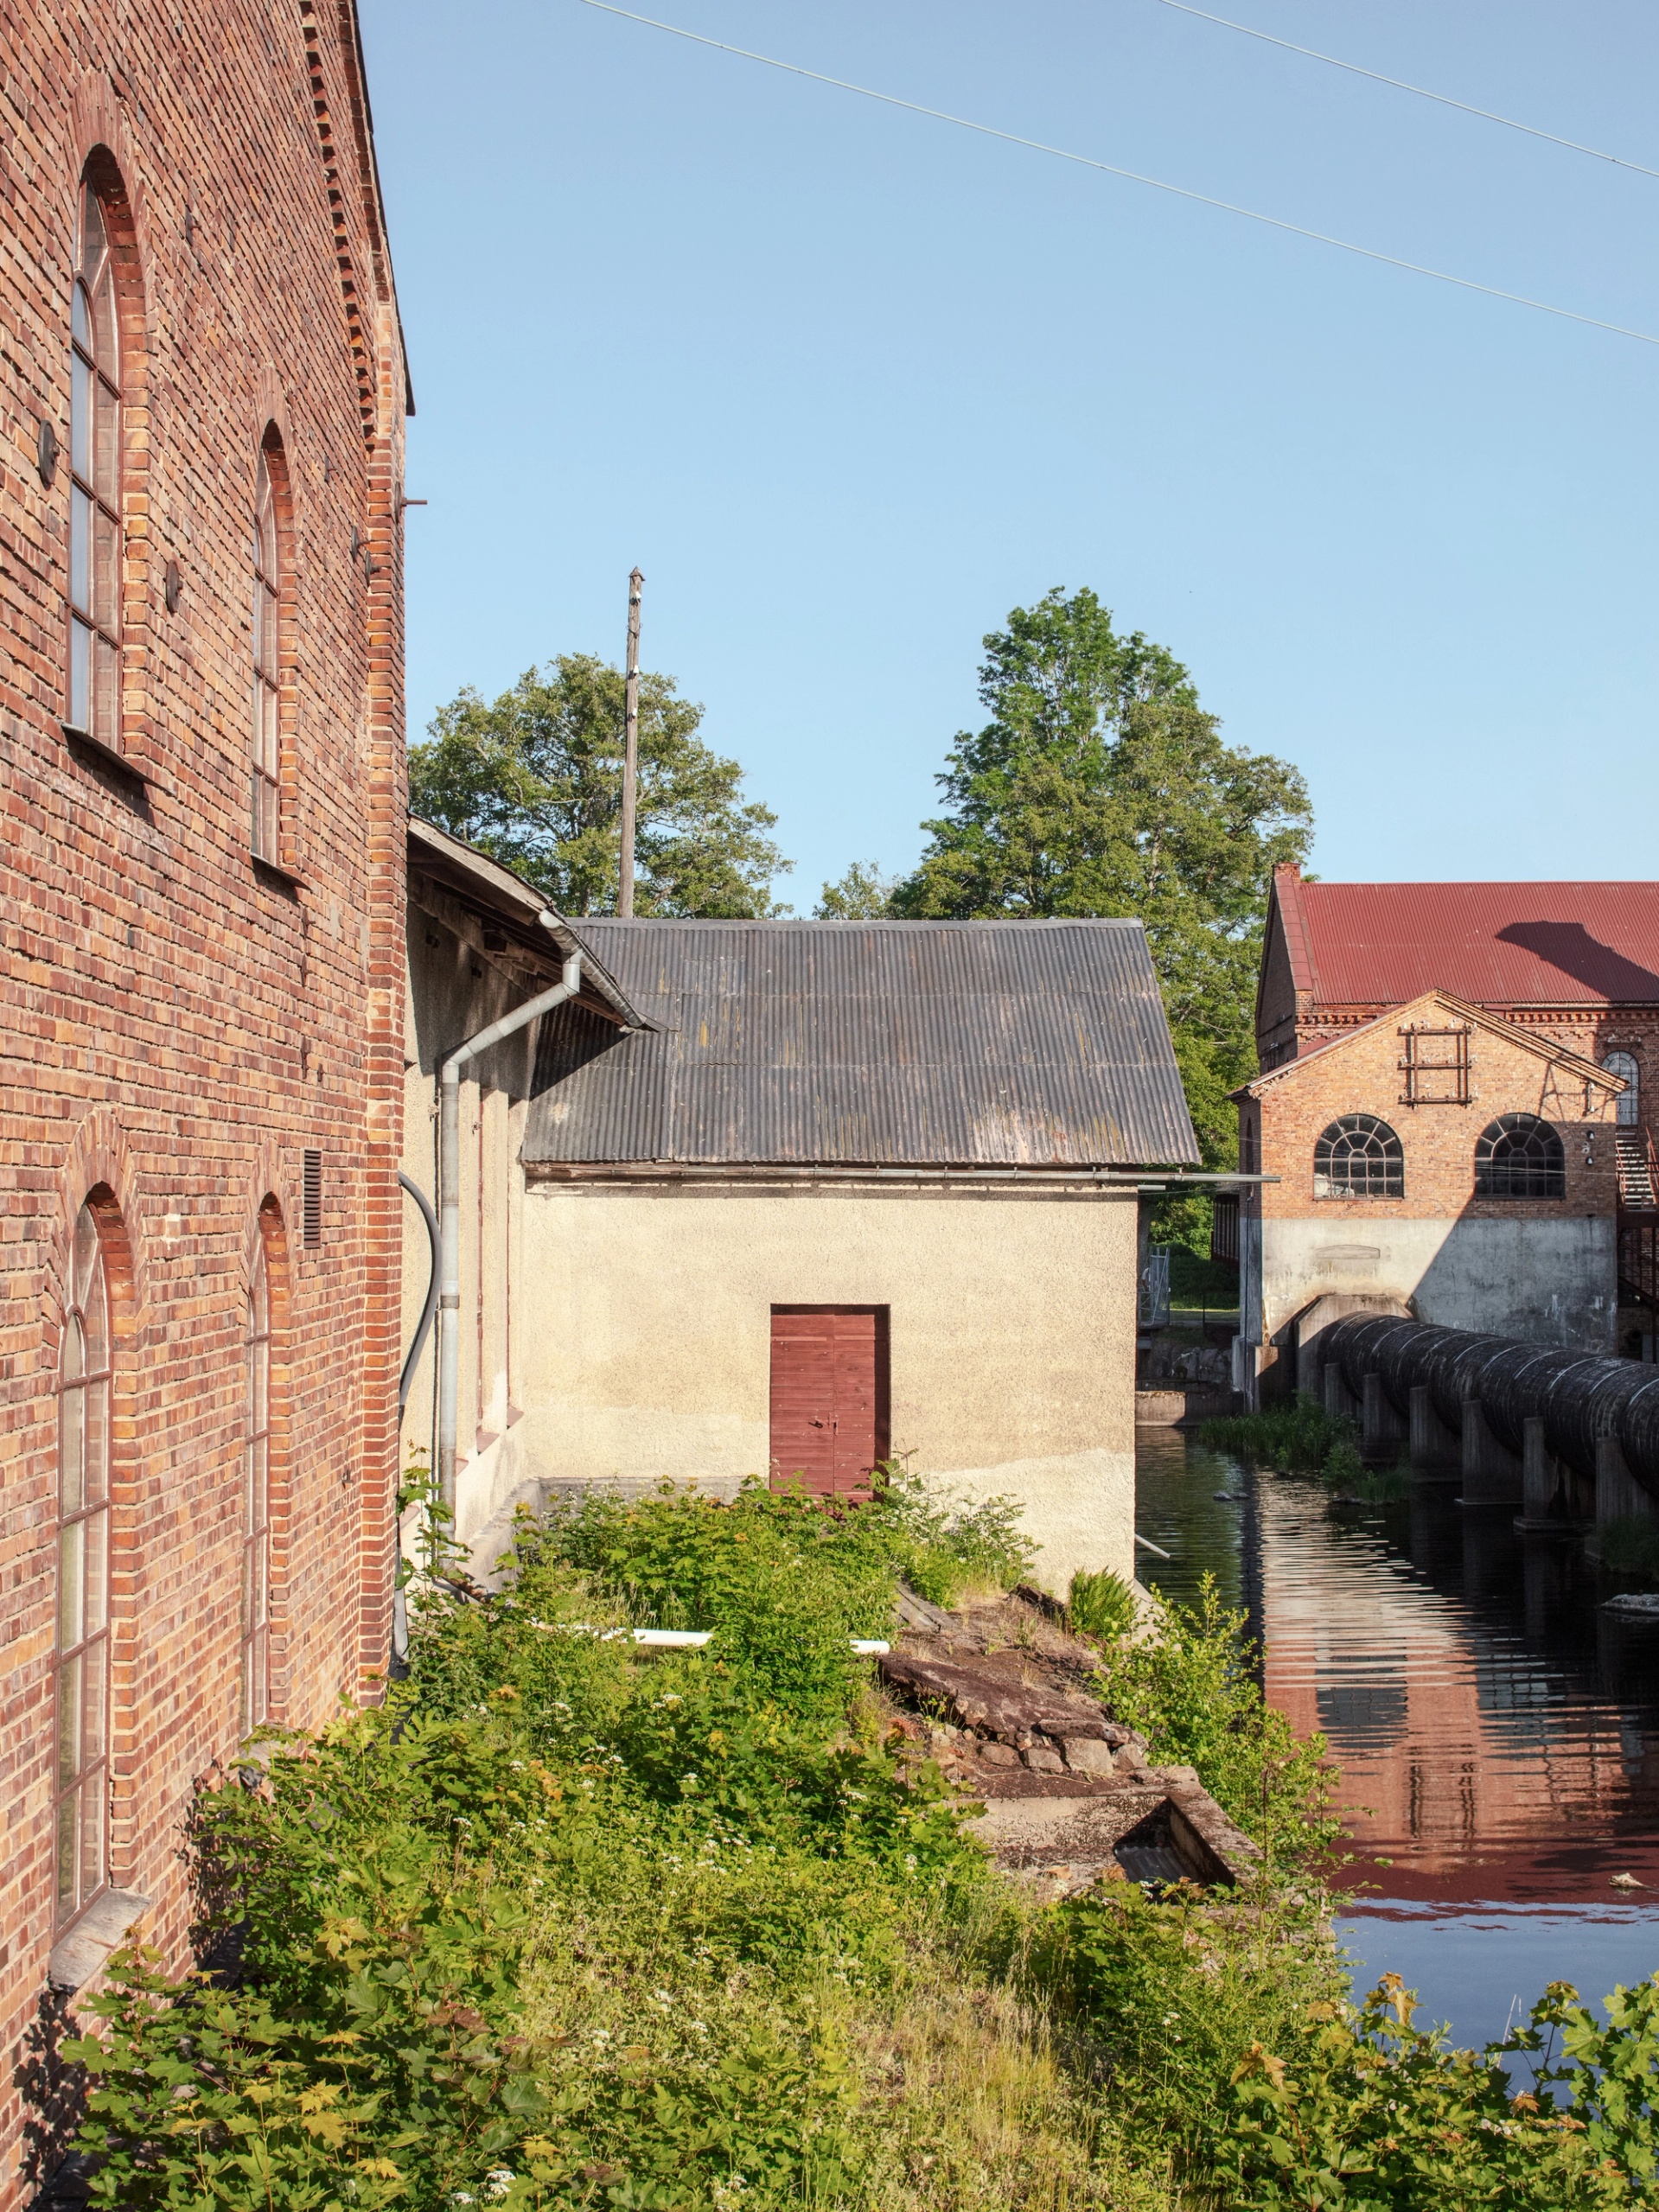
[311, 1198]
[1224, 1227]
[1520, 1157]
[1359, 1157]
[1436, 1067]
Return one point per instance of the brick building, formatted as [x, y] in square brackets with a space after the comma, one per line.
[202, 879]
[1453, 1097]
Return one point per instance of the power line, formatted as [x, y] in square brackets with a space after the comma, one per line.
[1400, 85]
[1132, 177]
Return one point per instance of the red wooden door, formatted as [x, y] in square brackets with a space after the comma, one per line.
[829, 1397]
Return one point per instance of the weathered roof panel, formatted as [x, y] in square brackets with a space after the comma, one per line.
[1493, 944]
[1030, 1043]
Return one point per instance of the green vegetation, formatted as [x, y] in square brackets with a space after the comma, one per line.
[1100, 1605]
[568, 1924]
[1100, 786]
[1301, 1438]
[1192, 1691]
[1630, 1547]
[1197, 1281]
[1362, 2110]
[535, 779]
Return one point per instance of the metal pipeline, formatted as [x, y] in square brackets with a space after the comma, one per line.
[1580, 1396]
[449, 1235]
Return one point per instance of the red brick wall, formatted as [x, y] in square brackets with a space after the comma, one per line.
[178, 1024]
[1437, 1141]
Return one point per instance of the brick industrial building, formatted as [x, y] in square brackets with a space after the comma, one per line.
[201, 893]
[1453, 1099]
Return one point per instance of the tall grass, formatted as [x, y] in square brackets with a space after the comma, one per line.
[1300, 1437]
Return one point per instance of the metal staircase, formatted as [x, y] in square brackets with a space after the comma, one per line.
[1633, 1152]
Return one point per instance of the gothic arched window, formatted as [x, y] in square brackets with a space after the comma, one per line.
[1520, 1157]
[95, 486]
[83, 1658]
[267, 605]
[1629, 1098]
[256, 1505]
[1359, 1157]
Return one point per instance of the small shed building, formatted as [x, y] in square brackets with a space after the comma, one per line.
[790, 1198]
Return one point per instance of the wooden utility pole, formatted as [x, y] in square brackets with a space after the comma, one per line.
[631, 757]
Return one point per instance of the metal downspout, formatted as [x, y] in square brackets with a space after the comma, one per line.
[449, 1232]
[431, 1306]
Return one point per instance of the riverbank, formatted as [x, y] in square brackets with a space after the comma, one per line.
[577, 1922]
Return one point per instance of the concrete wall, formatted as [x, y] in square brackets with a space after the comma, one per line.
[646, 1342]
[1548, 1282]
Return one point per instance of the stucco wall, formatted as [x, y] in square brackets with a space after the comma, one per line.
[646, 1341]
[1548, 1282]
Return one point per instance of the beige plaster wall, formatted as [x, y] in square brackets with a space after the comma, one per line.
[645, 1349]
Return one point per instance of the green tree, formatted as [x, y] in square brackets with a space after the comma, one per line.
[535, 779]
[863, 894]
[1100, 786]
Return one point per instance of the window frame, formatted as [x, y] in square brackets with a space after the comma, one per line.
[265, 827]
[84, 1659]
[1553, 1152]
[1627, 1104]
[1390, 1155]
[97, 545]
[255, 1646]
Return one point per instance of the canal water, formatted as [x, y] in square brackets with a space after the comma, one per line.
[1497, 1731]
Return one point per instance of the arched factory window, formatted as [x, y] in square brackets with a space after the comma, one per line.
[1359, 1157]
[1629, 1098]
[1520, 1157]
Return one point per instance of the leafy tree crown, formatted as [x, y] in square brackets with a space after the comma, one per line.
[535, 778]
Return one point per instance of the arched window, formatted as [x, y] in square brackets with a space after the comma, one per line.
[83, 1661]
[267, 600]
[256, 1505]
[95, 487]
[1629, 1098]
[1520, 1157]
[1359, 1157]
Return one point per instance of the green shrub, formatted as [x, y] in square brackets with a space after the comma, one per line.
[1176, 1992]
[1363, 2110]
[1100, 1605]
[1630, 1547]
[566, 1925]
[1300, 1437]
[1192, 1691]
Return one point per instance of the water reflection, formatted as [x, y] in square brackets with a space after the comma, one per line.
[1497, 1733]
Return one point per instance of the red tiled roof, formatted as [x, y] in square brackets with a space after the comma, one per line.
[1493, 944]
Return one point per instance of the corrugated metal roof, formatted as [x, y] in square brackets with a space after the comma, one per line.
[921, 1043]
[1494, 944]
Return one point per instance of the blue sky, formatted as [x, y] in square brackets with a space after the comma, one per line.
[848, 385]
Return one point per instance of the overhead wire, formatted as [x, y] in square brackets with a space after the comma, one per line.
[1444, 99]
[1131, 176]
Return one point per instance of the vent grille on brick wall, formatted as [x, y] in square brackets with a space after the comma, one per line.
[311, 1198]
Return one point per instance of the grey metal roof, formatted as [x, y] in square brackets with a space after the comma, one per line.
[1036, 1044]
